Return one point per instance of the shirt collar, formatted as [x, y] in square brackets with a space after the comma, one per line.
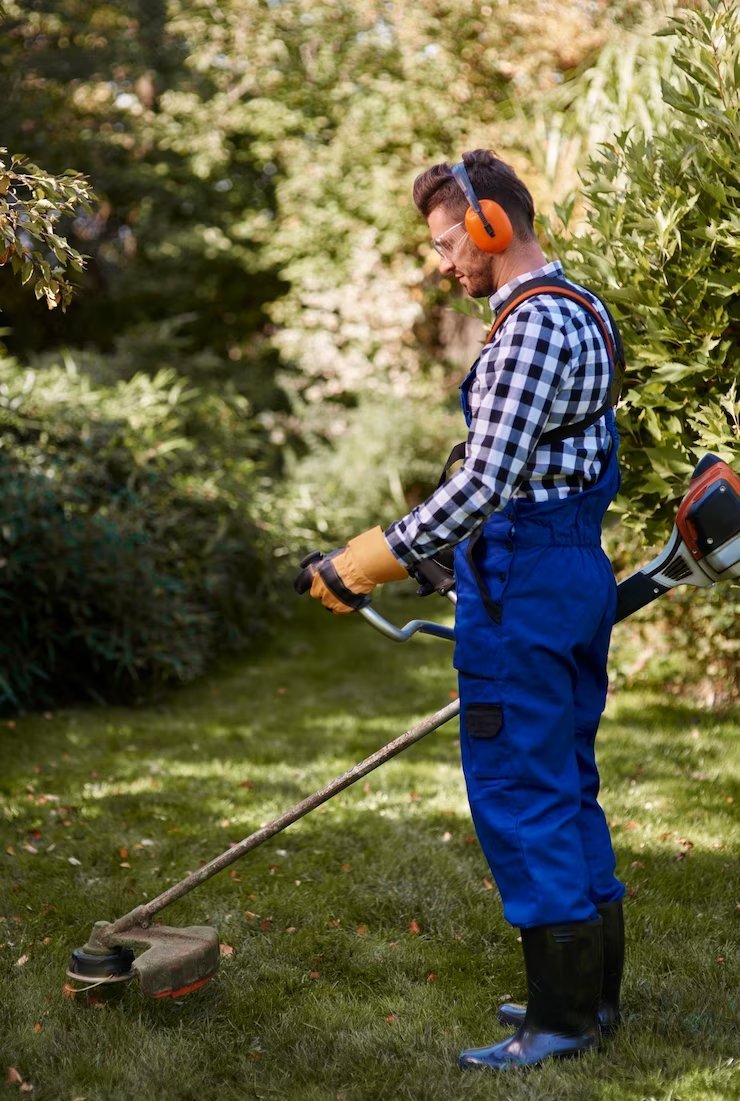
[497, 300]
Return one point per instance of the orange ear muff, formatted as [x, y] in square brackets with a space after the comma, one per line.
[486, 222]
[499, 222]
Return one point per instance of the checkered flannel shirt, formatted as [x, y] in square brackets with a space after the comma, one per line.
[547, 366]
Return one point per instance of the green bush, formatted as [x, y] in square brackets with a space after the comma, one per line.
[662, 245]
[128, 550]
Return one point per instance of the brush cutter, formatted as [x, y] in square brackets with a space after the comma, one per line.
[704, 548]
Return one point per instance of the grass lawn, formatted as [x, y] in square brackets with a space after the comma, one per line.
[364, 947]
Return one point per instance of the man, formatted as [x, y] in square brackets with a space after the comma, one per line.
[536, 600]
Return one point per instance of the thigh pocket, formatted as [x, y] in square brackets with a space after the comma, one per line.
[484, 720]
[486, 753]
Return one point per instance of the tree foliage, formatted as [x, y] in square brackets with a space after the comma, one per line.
[31, 203]
[662, 238]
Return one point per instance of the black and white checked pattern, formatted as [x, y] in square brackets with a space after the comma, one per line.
[547, 366]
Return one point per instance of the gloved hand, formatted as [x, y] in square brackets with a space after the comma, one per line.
[342, 579]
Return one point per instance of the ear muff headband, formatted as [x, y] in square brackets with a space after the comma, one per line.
[486, 222]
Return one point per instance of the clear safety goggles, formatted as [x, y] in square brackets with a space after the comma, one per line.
[448, 241]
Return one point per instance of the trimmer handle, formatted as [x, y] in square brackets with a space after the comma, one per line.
[434, 577]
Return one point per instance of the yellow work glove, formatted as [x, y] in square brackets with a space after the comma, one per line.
[341, 580]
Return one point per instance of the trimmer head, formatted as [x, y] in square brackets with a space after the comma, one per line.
[174, 962]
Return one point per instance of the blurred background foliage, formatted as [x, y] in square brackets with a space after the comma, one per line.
[260, 355]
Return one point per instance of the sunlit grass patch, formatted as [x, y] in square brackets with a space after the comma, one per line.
[365, 945]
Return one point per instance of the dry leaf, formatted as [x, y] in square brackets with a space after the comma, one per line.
[22, 960]
[413, 927]
[124, 864]
[123, 853]
[432, 976]
[247, 784]
[13, 1078]
[37, 1027]
[26, 1087]
[73, 860]
[226, 950]
[391, 1017]
[315, 975]
[291, 929]
[266, 924]
[361, 930]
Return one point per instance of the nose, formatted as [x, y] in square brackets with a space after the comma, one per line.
[445, 265]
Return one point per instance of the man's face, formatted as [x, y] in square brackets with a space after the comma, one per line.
[459, 256]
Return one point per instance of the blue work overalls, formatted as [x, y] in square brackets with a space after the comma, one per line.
[536, 599]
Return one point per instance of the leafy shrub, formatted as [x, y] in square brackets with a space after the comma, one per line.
[128, 551]
[662, 242]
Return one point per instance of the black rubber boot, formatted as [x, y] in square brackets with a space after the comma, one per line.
[612, 916]
[564, 967]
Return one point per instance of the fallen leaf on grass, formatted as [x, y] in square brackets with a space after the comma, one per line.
[361, 930]
[37, 1027]
[13, 1078]
[314, 975]
[73, 860]
[225, 950]
[266, 924]
[390, 1018]
[432, 977]
[123, 853]
[291, 929]
[247, 784]
[22, 960]
[487, 883]
[413, 927]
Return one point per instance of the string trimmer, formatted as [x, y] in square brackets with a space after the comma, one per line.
[704, 548]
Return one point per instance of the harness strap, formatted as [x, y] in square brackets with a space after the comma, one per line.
[612, 341]
[614, 350]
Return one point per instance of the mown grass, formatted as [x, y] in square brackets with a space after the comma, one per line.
[368, 947]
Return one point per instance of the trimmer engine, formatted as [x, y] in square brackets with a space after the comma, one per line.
[704, 546]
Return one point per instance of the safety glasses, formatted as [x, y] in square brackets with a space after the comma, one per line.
[448, 241]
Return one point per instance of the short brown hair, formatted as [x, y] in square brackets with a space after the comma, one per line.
[491, 179]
